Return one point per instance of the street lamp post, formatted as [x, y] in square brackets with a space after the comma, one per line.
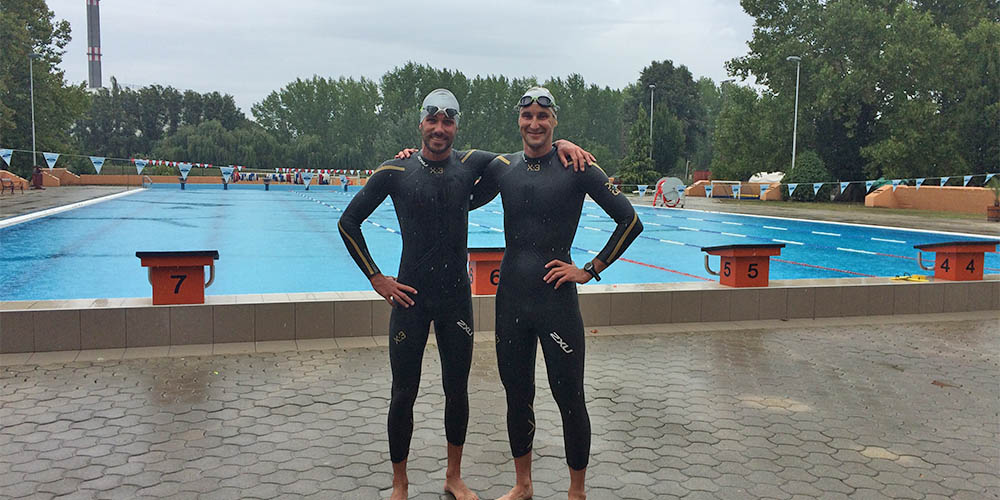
[795, 122]
[652, 86]
[31, 77]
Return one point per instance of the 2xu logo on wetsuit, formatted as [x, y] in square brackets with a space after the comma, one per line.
[562, 343]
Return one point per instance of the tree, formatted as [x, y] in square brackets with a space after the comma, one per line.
[677, 92]
[28, 26]
[637, 167]
[886, 84]
[749, 136]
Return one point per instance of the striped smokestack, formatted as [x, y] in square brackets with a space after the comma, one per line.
[94, 43]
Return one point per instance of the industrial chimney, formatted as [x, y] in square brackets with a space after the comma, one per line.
[94, 43]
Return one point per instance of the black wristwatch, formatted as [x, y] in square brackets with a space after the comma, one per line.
[589, 267]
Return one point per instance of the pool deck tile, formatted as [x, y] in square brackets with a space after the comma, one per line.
[276, 346]
[160, 351]
[234, 348]
[356, 342]
[100, 355]
[316, 344]
[190, 350]
[49, 357]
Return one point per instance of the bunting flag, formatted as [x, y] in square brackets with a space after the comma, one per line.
[895, 184]
[791, 189]
[642, 189]
[51, 159]
[764, 186]
[185, 168]
[988, 177]
[736, 191]
[868, 185]
[843, 186]
[307, 177]
[816, 186]
[139, 165]
[966, 180]
[227, 173]
[708, 190]
[6, 154]
[920, 181]
[944, 180]
[98, 163]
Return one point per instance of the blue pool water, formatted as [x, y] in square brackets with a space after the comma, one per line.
[286, 240]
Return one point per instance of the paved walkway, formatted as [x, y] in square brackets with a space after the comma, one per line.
[12, 205]
[887, 407]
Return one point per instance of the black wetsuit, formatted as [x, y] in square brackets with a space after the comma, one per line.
[431, 199]
[542, 203]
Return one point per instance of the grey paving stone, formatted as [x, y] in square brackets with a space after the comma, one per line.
[812, 412]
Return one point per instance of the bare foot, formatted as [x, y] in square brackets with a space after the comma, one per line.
[399, 492]
[458, 489]
[519, 493]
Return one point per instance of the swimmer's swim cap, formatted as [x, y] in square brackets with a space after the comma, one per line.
[442, 101]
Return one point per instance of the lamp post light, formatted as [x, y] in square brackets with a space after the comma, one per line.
[31, 77]
[652, 87]
[795, 122]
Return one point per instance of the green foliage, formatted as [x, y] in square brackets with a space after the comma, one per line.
[637, 167]
[28, 26]
[749, 136]
[888, 87]
[808, 169]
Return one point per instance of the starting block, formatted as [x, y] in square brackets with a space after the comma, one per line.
[743, 265]
[179, 277]
[484, 270]
[956, 260]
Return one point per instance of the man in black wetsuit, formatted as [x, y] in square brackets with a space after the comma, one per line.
[536, 298]
[430, 192]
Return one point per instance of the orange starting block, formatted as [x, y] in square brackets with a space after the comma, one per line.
[956, 260]
[743, 265]
[484, 270]
[179, 277]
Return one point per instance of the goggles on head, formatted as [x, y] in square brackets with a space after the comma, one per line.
[542, 100]
[434, 110]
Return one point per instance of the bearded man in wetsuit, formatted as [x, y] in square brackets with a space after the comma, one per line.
[536, 297]
[430, 192]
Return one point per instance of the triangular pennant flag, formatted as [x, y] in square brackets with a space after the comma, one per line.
[98, 163]
[944, 180]
[920, 181]
[764, 186]
[307, 177]
[895, 184]
[816, 186]
[966, 180]
[185, 168]
[736, 190]
[708, 190]
[51, 159]
[988, 177]
[139, 165]
[791, 189]
[6, 154]
[868, 185]
[843, 186]
[642, 189]
[227, 173]
[239, 167]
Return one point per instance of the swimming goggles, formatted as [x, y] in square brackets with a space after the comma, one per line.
[434, 110]
[542, 100]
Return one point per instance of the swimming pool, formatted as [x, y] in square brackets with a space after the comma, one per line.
[286, 240]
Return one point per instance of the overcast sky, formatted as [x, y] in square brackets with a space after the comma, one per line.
[249, 48]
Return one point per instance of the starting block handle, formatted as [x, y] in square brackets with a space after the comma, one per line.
[920, 262]
[211, 275]
[709, 269]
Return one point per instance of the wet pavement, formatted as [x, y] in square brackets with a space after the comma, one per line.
[31, 200]
[888, 407]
